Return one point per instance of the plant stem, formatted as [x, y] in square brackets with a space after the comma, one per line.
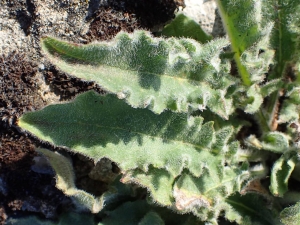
[264, 125]
[231, 31]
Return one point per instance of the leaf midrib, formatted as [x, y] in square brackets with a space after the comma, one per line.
[139, 133]
[61, 52]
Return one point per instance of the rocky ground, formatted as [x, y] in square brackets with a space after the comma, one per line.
[28, 82]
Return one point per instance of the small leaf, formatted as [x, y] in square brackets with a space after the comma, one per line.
[140, 212]
[270, 87]
[291, 215]
[249, 34]
[289, 112]
[276, 142]
[65, 181]
[250, 209]
[294, 95]
[281, 172]
[151, 218]
[257, 99]
[183, 26]
[158, 182]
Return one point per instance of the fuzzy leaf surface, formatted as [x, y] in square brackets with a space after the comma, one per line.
[183, 26]
[281, 173]
[249, 35]
[285, 37]
[104, 126]
[65, 181]
[151, 72]
[251, 209]
[151, 150]
[291, 215]
[141, 213]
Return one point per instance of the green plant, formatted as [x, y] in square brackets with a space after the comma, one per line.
[197, 125]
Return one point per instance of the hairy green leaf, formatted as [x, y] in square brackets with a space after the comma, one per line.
[291, 215]
[251, 209]
[99, 126]
[151, 150]
[281, 173]
[285, 41]
[289, 112]
[151, 218]
[249, 36]
[285, 37]
[151, 72]
[65, 181]
[290, 108]
[183, 26]
[141, 213]
[275, 142]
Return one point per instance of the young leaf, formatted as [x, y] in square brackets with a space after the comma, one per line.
[249, 35]
[151, 218]
[150, 72]
[289, 112]
[285, 41]
[65, 181]
[251, 209]
[285, 38]
[281, 173]
[183, 26]
[276, 142]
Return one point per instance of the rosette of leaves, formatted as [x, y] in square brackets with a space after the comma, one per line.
[170, 118]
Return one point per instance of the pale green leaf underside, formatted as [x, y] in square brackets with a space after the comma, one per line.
[65, 181]
[281, 173]
[151, 72]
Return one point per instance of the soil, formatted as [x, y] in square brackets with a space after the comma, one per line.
[28, 82]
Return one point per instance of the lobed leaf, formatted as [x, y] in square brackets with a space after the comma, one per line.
[151, 150]
[151, 72]
[99, 126]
